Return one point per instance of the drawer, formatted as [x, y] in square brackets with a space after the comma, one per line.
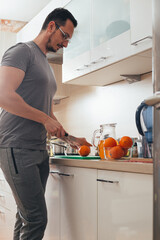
[7, 201]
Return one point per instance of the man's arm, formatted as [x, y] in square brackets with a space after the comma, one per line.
[10, 80]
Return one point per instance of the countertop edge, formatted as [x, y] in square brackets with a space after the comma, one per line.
[143, 168]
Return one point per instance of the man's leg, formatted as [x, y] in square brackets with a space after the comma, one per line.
[17, 226]
[22, 169]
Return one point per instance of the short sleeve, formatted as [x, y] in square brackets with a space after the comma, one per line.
[17, 56]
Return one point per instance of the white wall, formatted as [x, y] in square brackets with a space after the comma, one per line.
[7, 39]
[88, 107]
[32, 29]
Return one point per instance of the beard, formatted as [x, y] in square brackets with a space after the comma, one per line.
[49, 48]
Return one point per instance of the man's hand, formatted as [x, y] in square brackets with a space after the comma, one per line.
[76, 142]
[54, 128]
[83, 141]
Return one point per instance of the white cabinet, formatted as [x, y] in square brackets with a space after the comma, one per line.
[76, 56]
[124, 206]
[53, 206]
[101, 50]
[141, 24]
[93, 204]
[71, 198]
[78, 204]
[110, 33]
[101, 37]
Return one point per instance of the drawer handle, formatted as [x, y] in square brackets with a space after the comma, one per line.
[66, 174]
[62, 174]
[54, 172]
[107, 181]
[2, 196]
[140, 40]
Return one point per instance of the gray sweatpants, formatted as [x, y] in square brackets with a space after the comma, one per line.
[27, 171]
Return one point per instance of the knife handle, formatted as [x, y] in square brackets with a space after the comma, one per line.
[66, 134]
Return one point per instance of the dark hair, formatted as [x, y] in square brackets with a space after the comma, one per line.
[60, 15]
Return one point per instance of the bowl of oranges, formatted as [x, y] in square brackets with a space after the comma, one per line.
[114, 149]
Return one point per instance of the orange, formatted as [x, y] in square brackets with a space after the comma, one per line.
[125, 151]
[84, 150]
[100, 149]
[126, 142]
[109, 142]
[116, 152]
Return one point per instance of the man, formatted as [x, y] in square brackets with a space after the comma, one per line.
[27, 87]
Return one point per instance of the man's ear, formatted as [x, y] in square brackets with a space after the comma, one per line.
[51, 27]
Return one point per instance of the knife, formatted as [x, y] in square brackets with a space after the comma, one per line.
[73, 141]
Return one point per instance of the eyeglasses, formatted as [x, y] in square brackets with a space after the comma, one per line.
[65, 35]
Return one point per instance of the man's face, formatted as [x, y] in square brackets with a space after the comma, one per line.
[57, 40]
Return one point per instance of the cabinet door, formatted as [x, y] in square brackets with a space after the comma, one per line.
[53, 206]
[78, 204]
[76, 56]
[111, 35]
[124, 206]
[141, 24]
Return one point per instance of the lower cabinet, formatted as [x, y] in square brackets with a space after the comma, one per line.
[78, 202]
[71, 197]
[124, 206]
[93, 204]
[53, 206]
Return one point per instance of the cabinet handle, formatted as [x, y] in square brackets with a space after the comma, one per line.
[62, 174]
[66, 174]
[99, 60]
[107, 181]
[94, 62]
[140, 40]
[2, 196]
[83, 67]
[54, 172]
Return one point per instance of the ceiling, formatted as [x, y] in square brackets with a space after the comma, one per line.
[21, 10]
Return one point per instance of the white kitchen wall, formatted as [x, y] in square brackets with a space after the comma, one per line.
[32, 29]
[88, 107]
[7, 39]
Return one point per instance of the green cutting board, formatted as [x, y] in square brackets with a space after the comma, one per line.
[76, 157]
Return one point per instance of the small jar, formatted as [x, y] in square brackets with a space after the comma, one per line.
[135, 150]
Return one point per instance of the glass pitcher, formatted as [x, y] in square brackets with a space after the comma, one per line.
[105, 131]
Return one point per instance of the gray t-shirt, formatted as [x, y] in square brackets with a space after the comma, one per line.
[37, 89]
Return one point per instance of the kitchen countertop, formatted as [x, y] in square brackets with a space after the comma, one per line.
[144, 167]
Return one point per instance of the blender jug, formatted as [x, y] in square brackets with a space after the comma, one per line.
[144, 123]
[105, 131]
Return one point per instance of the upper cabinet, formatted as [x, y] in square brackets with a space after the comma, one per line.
[110, 41]
[76, 56]
[110, 32]
[141, 24]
